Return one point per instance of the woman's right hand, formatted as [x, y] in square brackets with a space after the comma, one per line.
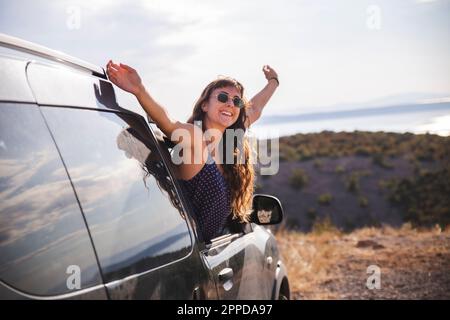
[125, 77]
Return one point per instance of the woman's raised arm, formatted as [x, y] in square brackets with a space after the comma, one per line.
[258, 102]
[128, 79]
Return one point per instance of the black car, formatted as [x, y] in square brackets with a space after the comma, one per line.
[89, 206]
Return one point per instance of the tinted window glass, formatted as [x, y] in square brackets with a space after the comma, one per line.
[42, 231]
[124, 189]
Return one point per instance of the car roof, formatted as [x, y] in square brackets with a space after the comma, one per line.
[15, 57]
[50, 54]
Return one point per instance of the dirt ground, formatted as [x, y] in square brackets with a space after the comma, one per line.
[413, 264]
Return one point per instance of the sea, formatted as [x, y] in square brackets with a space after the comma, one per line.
[420, 118]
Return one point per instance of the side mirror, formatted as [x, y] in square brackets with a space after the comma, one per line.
[266, 210]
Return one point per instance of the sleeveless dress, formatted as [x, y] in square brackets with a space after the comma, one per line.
[210, 197]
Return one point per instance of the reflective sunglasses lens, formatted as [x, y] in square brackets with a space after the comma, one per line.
[238, 102]
[222, 97]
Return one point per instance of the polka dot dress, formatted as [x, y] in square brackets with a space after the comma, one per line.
[210, 197]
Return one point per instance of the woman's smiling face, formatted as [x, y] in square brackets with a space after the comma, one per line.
[221, 115]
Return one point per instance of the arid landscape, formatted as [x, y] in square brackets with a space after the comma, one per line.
[361, 199]
[414, 264]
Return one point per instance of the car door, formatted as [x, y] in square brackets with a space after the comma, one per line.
[238, 263]
[139, 227]
[45, 248]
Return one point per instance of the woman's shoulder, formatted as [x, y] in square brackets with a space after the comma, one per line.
[187, 170]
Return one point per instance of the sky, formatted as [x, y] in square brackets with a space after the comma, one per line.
[329, 55]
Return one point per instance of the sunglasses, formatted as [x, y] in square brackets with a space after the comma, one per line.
[237, 102]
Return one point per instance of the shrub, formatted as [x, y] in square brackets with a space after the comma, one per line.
[349, 224]
[424, 198]
[362, 151]
[339, 169]
[288, 153]
[311, 214]
[353, 182]
[363, 202]
[380, 160]
[325, 199]
[318, 164]
[291, 223]
[299, 179]
[378, 144]
[304, 153]
[324, 225]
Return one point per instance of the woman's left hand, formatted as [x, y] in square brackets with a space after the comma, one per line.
[269, 72]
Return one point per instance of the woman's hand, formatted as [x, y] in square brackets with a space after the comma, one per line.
[269, 73]
[258, 102]
[125, 77]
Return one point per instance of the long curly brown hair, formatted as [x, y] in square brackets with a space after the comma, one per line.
[239, 174]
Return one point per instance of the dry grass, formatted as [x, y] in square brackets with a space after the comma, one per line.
[332, 265]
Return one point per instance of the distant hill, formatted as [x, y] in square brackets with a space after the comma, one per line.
[358, 179]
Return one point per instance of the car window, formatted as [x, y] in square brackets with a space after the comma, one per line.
[128, 197]
[45, 248]
[232, 226]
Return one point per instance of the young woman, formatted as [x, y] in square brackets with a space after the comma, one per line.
[218, 187]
